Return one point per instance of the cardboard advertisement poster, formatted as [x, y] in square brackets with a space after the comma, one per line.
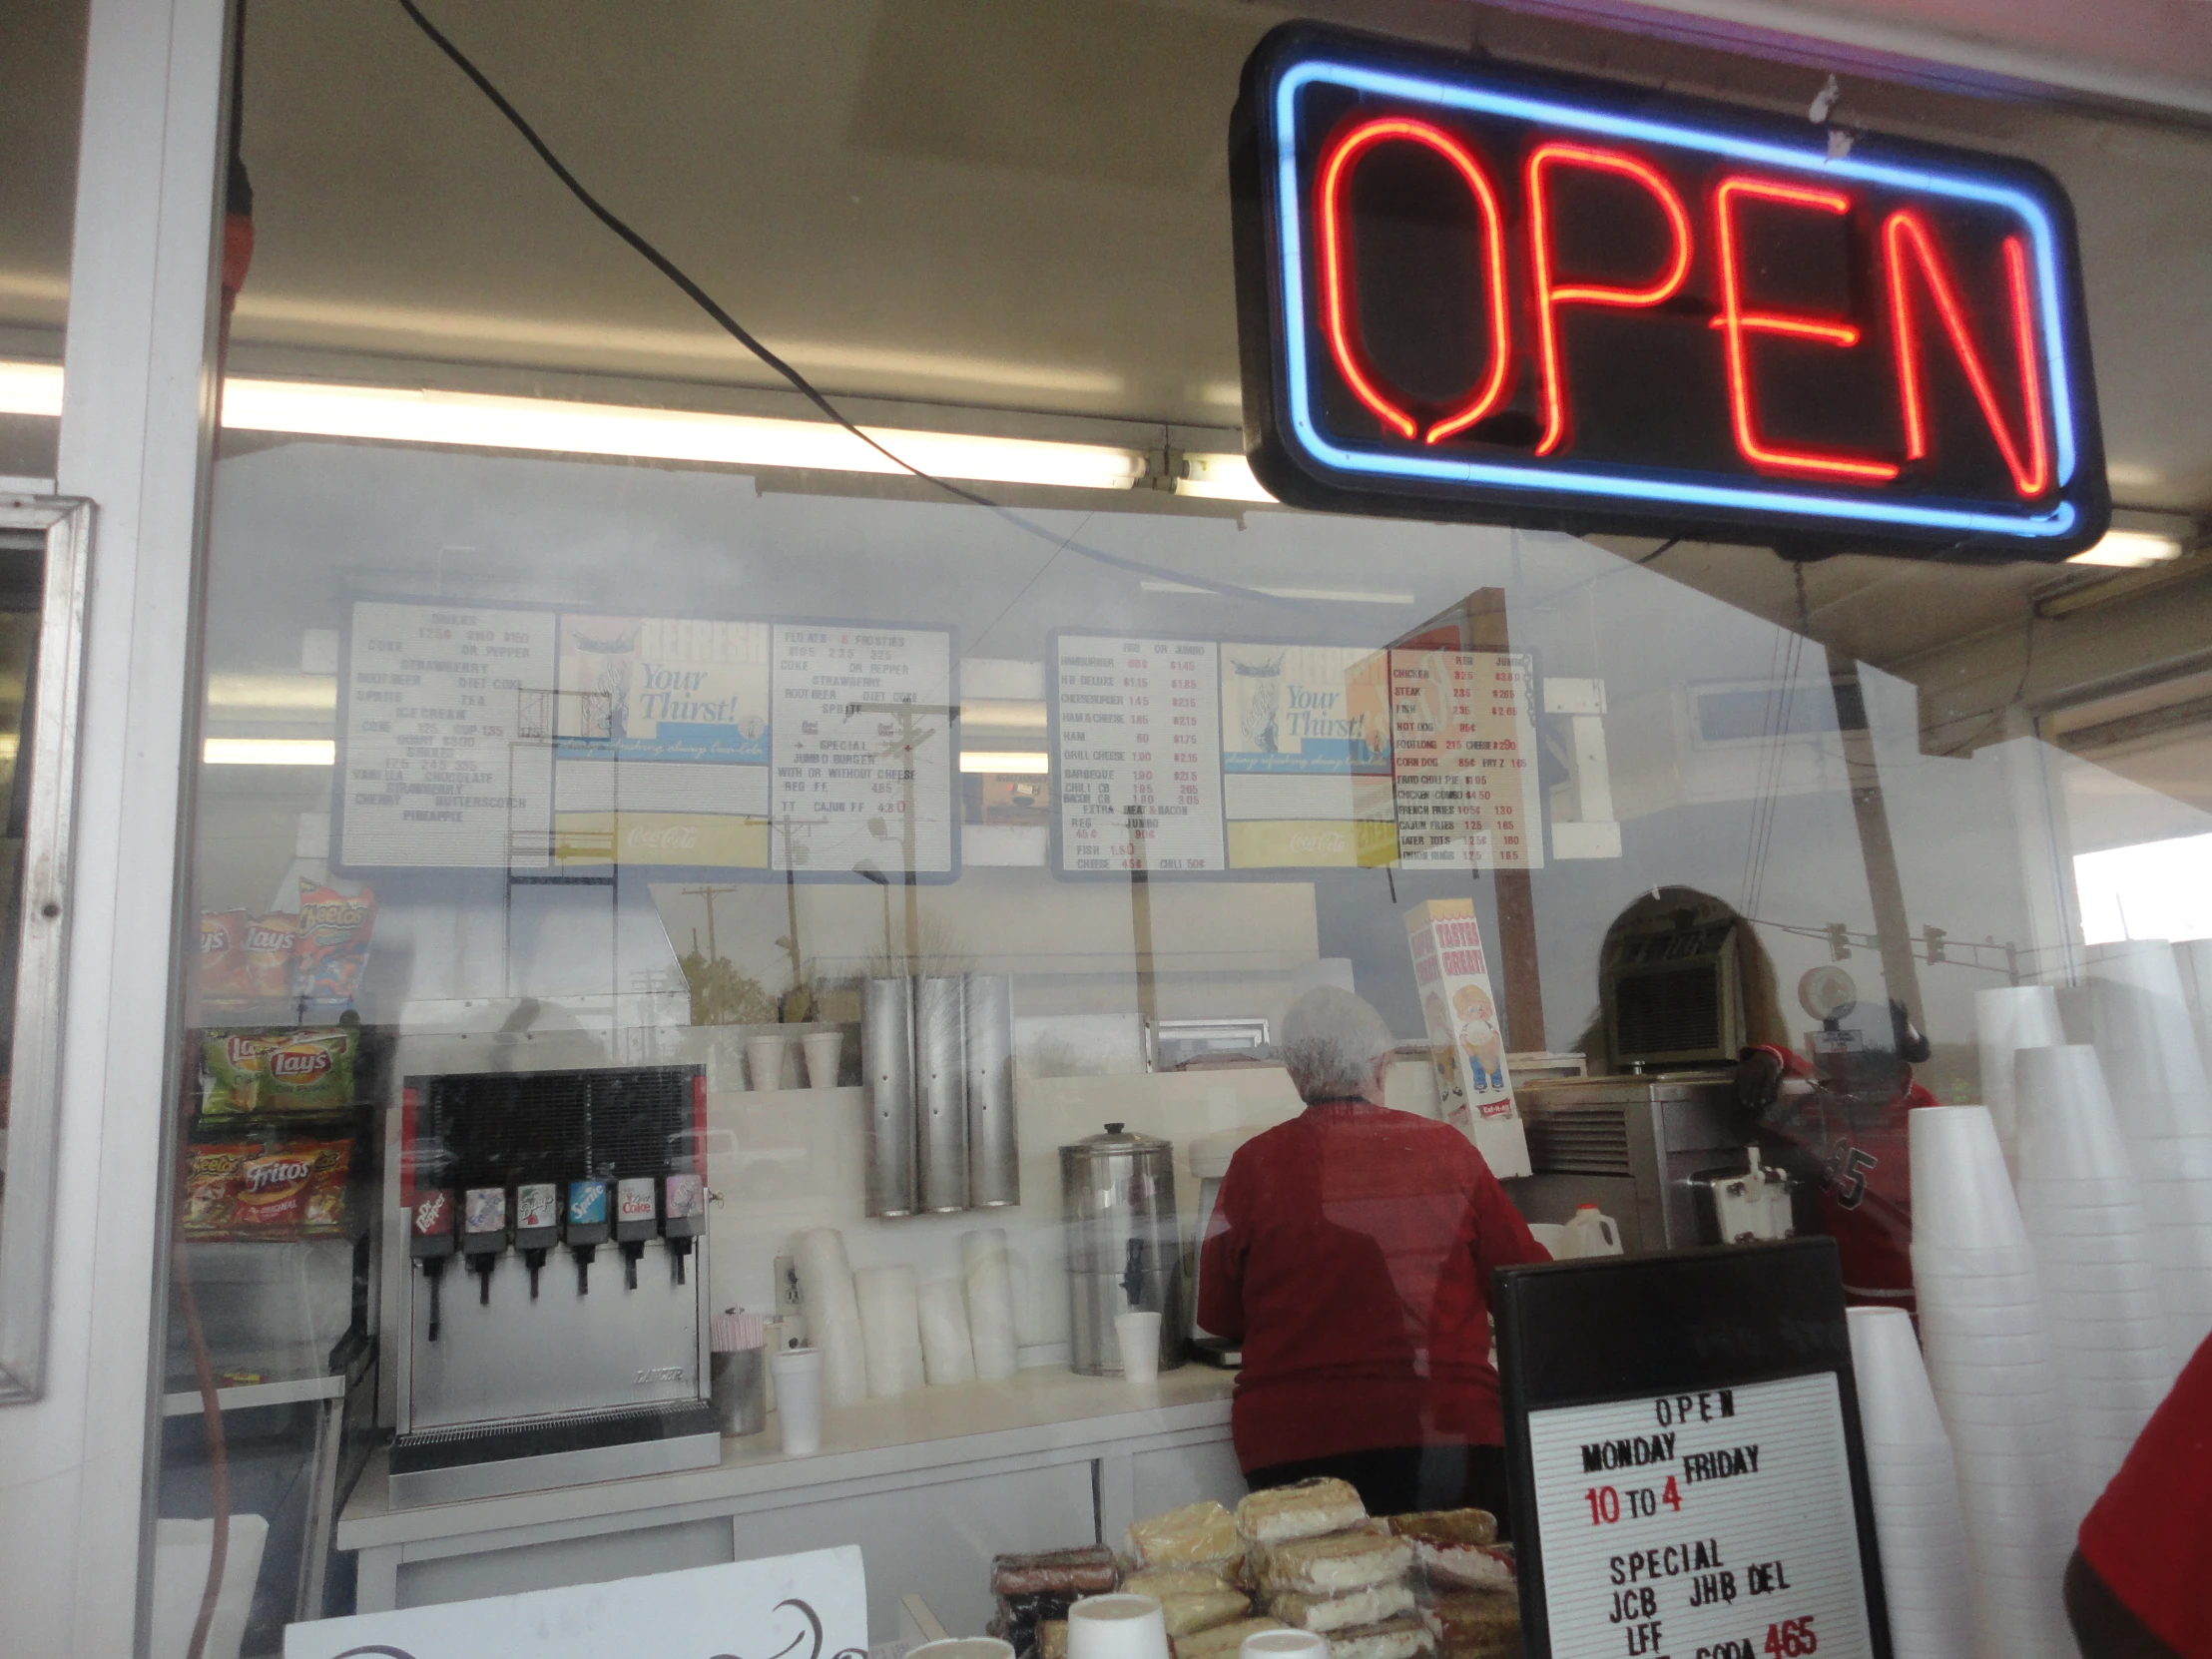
[662, 741]
[1466, 1036]
[1306, 756]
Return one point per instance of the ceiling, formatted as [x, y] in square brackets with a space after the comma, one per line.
[997, 203]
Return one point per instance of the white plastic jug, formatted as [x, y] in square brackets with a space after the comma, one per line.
[1591, 1233]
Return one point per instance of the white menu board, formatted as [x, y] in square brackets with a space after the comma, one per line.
[1139, 751]
[864, 745]
[448, 757]
[1715, 1523]
[1463, 753]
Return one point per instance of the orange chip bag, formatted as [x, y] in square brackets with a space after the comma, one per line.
[266, 956]
[210, 1189]
[221, 952]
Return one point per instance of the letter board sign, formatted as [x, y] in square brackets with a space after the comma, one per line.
[1682, 1438]
[1469, 291]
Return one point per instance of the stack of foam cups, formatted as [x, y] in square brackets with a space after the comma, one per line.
[2009, 1018]
[1996, 1383]
[2092, 1258]
[1916, 1490]
[2157, 1072]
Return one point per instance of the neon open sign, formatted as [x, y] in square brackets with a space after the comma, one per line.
[1482, 292]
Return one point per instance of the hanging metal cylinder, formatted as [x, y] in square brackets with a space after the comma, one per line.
[940, 1093]
[994, 1159]
[887, 1064]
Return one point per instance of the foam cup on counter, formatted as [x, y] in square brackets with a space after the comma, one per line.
[1117, 1627]
[1137, 1334]
[764, 1059]
[824, 1054]
[799, 1400]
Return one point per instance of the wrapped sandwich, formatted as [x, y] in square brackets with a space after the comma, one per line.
[1328, 1614]
[1329, 1565]
[1221, 1642]
[1399, 1638]
[1201, 1535]
[1458, 1548]
[1304, 1510]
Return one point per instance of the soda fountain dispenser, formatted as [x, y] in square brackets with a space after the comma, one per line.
[523, 1387]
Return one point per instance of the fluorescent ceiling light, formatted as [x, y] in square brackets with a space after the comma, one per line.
[2129, 550]
[484, 422]
[271, 751]
[274, 316]
[273, 691]
[1003, 714]
[1220, 478]
[1006, 760]
[30, 388]
[1330, 596]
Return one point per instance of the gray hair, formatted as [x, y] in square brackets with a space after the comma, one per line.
[1330, 1041]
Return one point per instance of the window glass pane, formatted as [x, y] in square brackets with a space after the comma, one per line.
[656, 858]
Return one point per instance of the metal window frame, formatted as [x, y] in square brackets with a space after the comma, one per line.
[34, 1101]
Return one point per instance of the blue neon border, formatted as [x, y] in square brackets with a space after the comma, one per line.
[1525, 107]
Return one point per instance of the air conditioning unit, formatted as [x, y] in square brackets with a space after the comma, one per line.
[1672, 992]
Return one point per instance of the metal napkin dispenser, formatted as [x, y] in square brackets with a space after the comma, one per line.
[1125, 1248]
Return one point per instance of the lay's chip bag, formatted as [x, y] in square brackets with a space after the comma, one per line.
[308, 1071]
[236, 1064]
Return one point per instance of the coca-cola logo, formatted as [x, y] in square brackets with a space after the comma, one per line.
[274, 1172]
[672, 837]
[637, 1204]
[1318, 840]
[299, 1064]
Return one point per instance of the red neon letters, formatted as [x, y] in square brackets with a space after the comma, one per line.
[1551, 298]
[1905, 236]
[1335, 233]
[1907, 247]
[1735, 322]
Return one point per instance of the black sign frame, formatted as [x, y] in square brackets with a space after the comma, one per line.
[1608, 1329]
[1307, 453]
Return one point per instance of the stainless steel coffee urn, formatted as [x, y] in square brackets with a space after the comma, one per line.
[1125, 1251]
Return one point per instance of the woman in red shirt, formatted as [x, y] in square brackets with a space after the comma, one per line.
[1350, 1252]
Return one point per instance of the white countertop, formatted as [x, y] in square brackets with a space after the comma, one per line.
[1044, 1410]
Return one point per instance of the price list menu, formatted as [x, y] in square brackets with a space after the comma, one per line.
[863, 739]
[448, 760]
[1139, 754]
[1463, 751]
[1712, 1524]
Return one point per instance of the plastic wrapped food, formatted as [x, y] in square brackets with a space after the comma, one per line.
[266, 956]
[211, 1188]
[1200, 1534]
[1372, 1605]
[308, 1071]
[1088, 1571]
[1162, 1582]
[1402, 1638]
[1304, 1510]
[334, 931]
[1187, 1614]
[236, 1064]
[1473, 1619]
[1333, 1564]
[1222, 1641]
[292, 1190]
[222, 962]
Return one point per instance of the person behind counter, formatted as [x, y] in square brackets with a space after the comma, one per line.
[1350, 1252]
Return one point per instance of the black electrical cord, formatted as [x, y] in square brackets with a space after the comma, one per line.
[1670, 543]
[744, 337]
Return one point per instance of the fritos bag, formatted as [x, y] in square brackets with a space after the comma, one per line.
[221, 952]
[308, 1071]
[333, 940]
[267, 955]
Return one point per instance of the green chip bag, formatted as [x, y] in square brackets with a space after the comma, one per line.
[308, 1071]
[237, 1066]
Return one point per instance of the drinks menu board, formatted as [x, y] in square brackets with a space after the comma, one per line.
[480, 738]
[1463, 747]
[1139, 754]
[1682, 1437]
[864, 748]
[435, 769]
